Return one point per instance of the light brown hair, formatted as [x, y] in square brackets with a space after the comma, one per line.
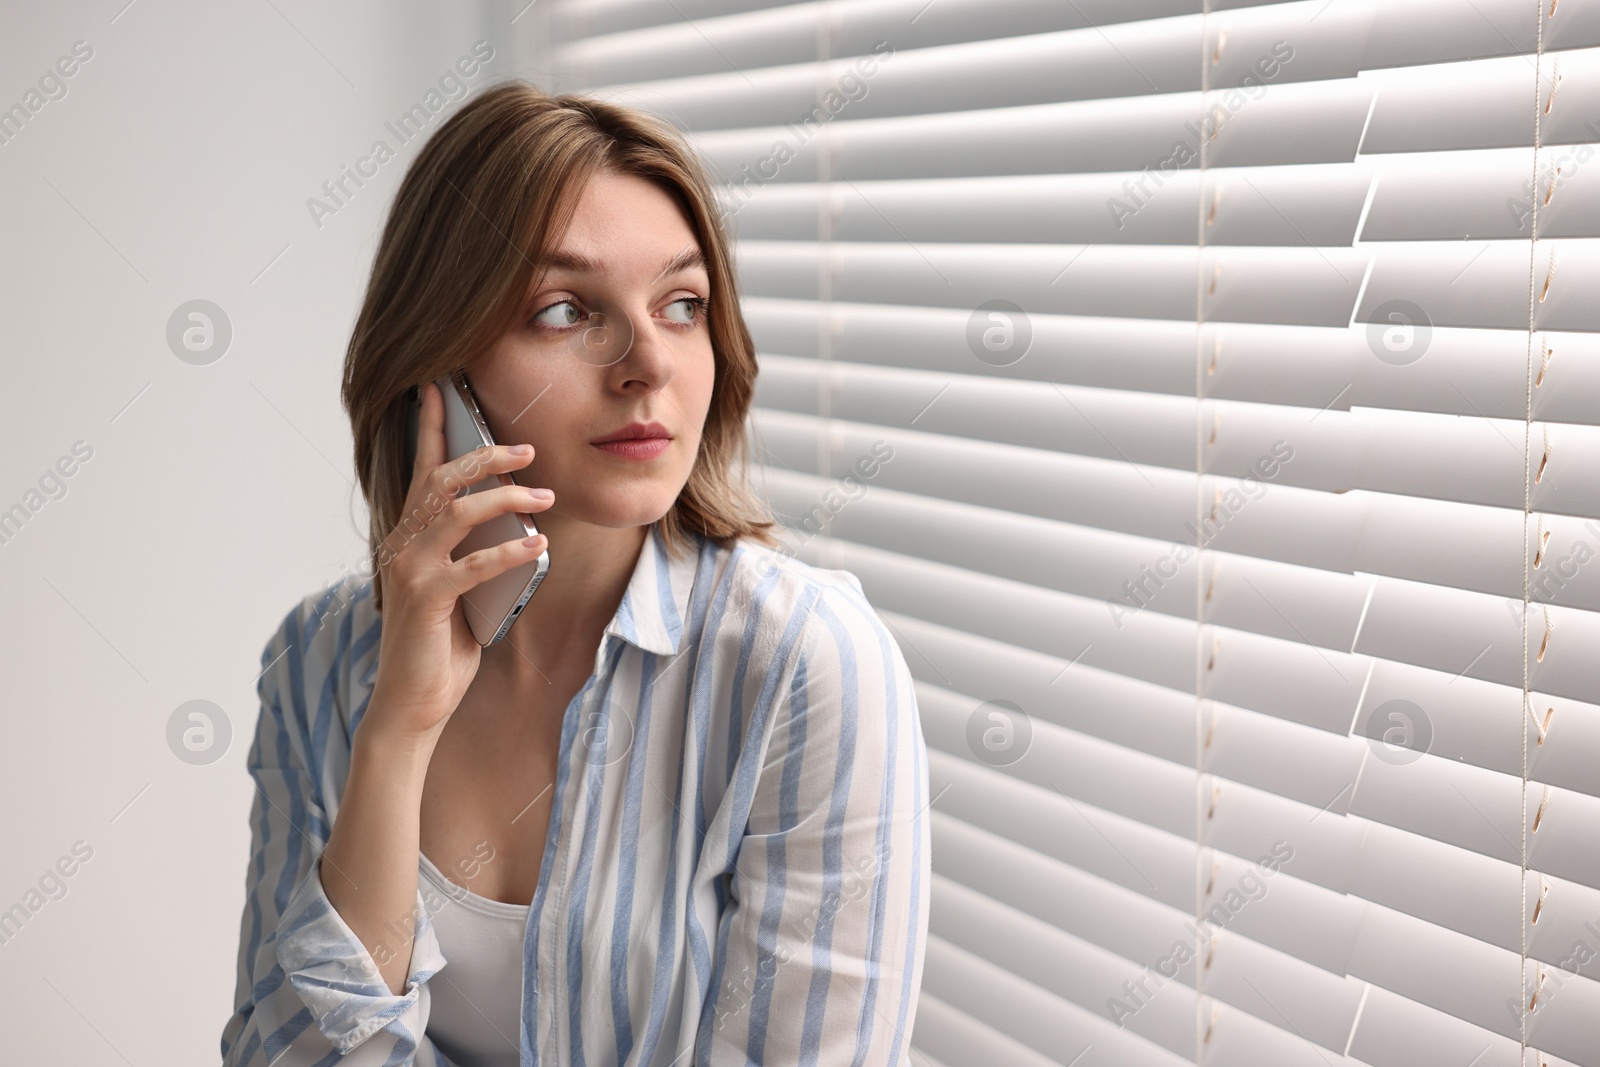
[461, 251]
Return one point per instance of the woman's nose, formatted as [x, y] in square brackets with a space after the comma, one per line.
[638, 352]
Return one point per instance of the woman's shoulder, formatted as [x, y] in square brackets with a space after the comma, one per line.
[772, 592]
[792, 623]
[322, 652]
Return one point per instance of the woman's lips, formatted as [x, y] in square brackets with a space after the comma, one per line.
[636, 447]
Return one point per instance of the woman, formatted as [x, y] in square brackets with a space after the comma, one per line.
[677, 815]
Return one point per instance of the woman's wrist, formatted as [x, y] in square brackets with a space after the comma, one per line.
[403, 754]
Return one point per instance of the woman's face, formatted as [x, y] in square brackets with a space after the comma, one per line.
[642, 368]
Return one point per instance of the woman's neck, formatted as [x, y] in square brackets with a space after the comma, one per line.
[563, 623]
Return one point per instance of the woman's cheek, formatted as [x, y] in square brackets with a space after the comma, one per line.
[691, 452]
[550, 415]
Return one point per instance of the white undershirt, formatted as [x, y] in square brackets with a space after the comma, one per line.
[476, 1012]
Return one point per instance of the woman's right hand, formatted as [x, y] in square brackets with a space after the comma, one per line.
[427, 655]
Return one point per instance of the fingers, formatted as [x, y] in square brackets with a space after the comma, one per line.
[454, 478]
[478, 567]
[438, 512]
[461, 514]
[430, 433]
[435, 520]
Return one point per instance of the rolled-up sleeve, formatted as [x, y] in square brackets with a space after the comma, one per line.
[307, 989]
[821, 946]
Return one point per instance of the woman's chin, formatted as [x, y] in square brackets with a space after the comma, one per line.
[625, 512]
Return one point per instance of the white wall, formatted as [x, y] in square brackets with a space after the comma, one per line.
[177, 167]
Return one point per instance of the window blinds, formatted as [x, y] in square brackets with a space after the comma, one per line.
[1196, 393]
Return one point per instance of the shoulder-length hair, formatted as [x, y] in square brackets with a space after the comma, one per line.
[460, 252]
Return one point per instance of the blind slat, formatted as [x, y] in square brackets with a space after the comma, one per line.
[1133, 938]
[1299, 286]
[963, 1041]
[1435, 627]
[1148, 646]
[1040, 1020]
[1286, 1013]
[1484, 196]
[1127, 133]
[1079, 971]
[1084, 768]
[1110, 495]
[1480, 373]
[916, 26]
[1486, 284]
[1457, 975]
[1256, 206]
[1278, 756]
[1119, 851]
[876, 79]
[1125, 711]
[1394, 1031]
[1146, 356]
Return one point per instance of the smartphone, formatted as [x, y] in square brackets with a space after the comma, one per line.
[492, 605]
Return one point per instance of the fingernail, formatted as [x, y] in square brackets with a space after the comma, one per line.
[521, 450]
[541, 494]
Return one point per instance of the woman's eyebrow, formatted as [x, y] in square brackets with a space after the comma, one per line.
[688, 259]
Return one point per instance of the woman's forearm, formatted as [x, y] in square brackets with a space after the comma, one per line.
[369, 869]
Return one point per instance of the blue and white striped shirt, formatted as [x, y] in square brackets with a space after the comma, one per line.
[736, 869]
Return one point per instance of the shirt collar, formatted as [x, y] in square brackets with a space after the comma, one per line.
[650, 616]
[656, 601]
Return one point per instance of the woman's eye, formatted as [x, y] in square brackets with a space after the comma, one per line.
[558, 315]
[565, 314]
[696, 308]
